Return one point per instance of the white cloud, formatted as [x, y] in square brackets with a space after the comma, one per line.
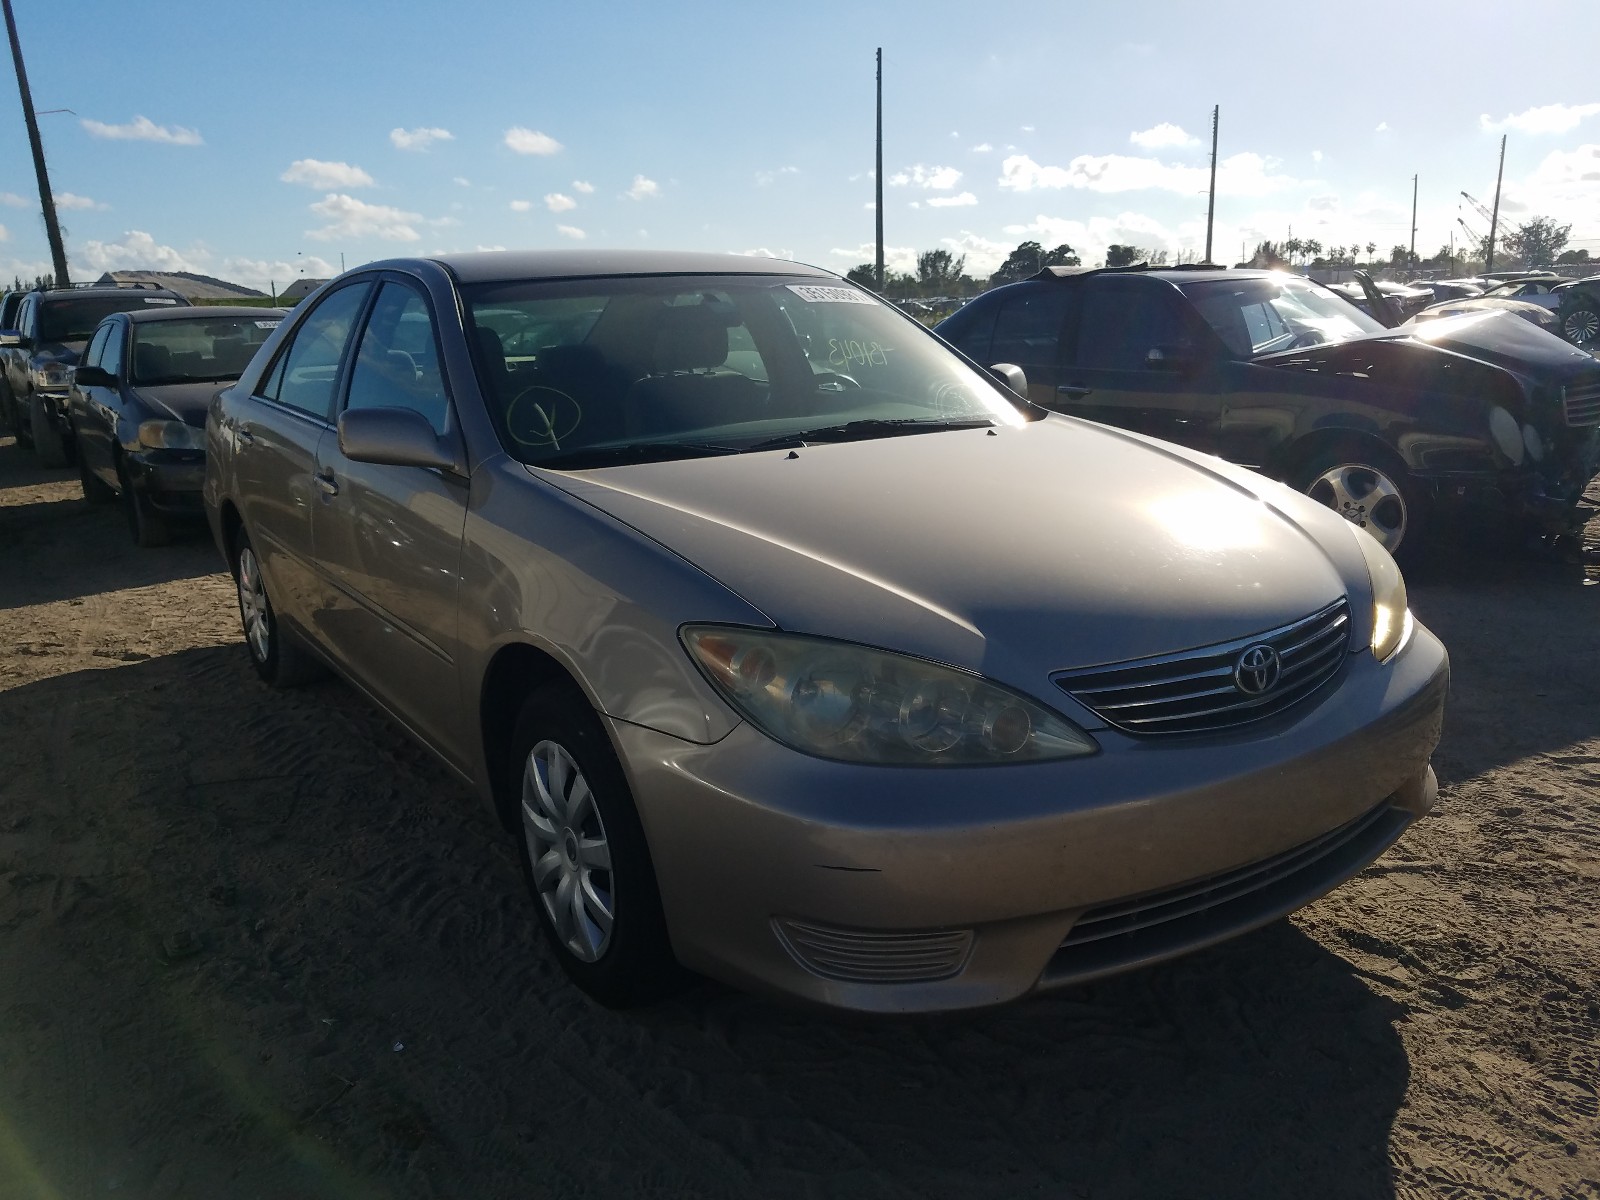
[556, 202]
[1027, 129]
[582, 185]
[137, 251]
[895, 258]
[314, 173]
[143, 129]
[982, 254]
[962, 201]
[461, 181]
[348, 217]
[1383, 127]
[531, 141]
[521, 205]
[571, 231]
[443, 222]
[1316, 156]
[1550, 118]
[68, 200]
[763, 252]
[419, 139]
[643, 187]
[267, 274]
[1091, 238]
[766, 178]
[938, 178]
[1244, 174]
[1159, 137]
[982, 148]
[1565, 187]
[12, 200]
[482, 247]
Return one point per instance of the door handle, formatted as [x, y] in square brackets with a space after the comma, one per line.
[1067, 389]
[326, 481]
[245, 436]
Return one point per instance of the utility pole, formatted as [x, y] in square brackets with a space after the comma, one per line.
[1413, 218]
[878, 175]
[1211, 204]
[1494, 217]
[47, 202]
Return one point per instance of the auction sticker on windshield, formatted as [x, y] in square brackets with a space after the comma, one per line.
[268, 324]
[159, 300]
[829, 295]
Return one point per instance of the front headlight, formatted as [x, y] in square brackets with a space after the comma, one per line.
[51, 376]
[1391, 617]
[171, 435]
[855, 704]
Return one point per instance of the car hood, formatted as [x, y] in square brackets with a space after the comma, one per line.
[186, 402]
[1489, 335]
[1030, 549]
[1536, 313]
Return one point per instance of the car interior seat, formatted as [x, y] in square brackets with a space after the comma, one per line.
[681, 392]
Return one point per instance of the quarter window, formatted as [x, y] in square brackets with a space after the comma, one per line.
[397, 365]
[113, 348]
[97, 346]
[306, 372]
[1027, 330]
[1123, 320]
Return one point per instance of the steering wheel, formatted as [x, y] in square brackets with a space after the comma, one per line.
[838, 377]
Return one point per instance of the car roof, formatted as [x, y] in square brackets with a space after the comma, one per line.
[96, 293]
[505, 266]
[201, 312]
[1187, 273]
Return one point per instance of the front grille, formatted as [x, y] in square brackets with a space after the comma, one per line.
[1582, 403]
[1161, 925]
[865, 956]
[1195, 691]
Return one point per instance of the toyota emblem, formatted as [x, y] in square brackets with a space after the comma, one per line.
[1258, 670]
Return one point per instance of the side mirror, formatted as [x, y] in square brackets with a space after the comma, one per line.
[1170, 358]
[93, 377]
[396, 437]
[12, 337]
[1012, 376]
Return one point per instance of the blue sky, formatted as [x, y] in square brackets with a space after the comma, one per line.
[261, 141]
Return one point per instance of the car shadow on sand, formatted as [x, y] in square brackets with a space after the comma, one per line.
[258, 936]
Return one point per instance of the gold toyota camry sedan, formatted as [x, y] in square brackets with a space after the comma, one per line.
[798, 650]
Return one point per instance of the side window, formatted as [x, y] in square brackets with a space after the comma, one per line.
[397, 365]
[307, 370]
[971, 329]
[97, 346]
[116, 333]
[1028, 328]
[1123, 320]
[30, 305]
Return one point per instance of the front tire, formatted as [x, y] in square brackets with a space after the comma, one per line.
[147, 526]
[95, 489]
[1580, 322]
[1369, 490]
[584, 854]
[49, 447]
[277, 658]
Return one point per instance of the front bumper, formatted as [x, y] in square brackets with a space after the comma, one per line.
[905, 890]
[171, 481]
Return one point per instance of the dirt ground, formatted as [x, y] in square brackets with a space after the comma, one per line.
[256, 944]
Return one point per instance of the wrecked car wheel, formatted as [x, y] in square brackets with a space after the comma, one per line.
[1365, 490]
[1580, 323]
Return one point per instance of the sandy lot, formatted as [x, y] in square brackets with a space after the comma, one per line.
[255, 944]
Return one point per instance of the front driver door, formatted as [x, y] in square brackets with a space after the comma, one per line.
[1028, 331]
[389, 537]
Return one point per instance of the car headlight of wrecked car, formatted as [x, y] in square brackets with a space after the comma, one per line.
[1391, 614]
[842, 701]
[171, 435]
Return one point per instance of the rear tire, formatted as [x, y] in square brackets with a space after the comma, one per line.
[1369, 489]
[584, 854]
[49, 447]
[277, 658]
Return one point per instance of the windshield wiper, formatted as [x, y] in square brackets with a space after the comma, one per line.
[869, 427]
[605, 456]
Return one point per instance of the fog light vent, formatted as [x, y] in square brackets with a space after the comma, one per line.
[865, 956]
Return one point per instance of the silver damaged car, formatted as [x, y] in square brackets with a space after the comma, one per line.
[798, 650]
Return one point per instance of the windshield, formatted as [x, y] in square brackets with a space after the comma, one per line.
[198, 349]
[1258, 315]
[73, 318]
[595, 372]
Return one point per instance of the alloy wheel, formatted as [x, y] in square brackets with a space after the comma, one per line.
[253, 605]
[1581, 326]
[1364, 496]
[568, 850]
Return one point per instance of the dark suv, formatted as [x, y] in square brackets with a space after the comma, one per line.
[1579, 313]
[41, 349]
[1388, 426]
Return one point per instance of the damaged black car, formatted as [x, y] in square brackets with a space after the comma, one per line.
[1402, 430]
